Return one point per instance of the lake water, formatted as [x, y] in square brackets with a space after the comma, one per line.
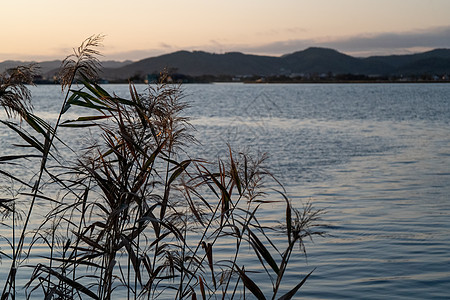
[375, 156]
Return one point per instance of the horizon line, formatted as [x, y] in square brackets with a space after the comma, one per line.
[394, 53]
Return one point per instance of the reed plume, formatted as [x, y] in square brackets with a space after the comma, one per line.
[138, 214]
[83, 62]
[15, 97]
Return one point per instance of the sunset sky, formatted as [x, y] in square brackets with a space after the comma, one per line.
[136, 29]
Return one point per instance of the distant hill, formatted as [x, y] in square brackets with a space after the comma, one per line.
[309, 61]
[306, 62]
[431, 62]
[44, 67]
[199, 63]
[322, 60]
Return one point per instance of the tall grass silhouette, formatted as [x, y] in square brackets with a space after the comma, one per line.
[137, 215]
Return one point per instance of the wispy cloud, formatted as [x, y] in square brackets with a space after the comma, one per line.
[282, 31]
[380, 43]
[165, 46]
[389, 42]
[136, 54]
[5, 56]
[359, 45]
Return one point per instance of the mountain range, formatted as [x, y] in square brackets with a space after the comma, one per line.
[309, 61]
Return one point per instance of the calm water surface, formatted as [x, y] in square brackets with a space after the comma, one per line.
[375, 156]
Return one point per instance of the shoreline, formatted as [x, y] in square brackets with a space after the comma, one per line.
[275, 82]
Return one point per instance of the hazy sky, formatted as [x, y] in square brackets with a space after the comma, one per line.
[135, 29]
